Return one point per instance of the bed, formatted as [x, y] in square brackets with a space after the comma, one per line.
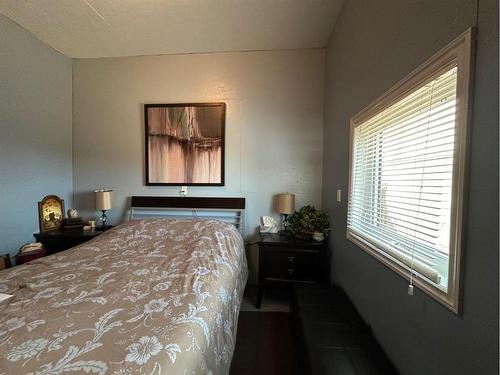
[150, 296]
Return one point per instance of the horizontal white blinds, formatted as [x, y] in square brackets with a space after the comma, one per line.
[401, 178]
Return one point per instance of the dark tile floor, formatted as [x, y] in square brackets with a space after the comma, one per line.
[264, 345]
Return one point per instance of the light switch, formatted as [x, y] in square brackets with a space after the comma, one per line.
[339, 195]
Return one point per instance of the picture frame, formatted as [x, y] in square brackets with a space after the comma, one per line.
[185, 144]
[50, 213]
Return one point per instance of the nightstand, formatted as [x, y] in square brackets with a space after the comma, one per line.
[286, 260]
[56, 241]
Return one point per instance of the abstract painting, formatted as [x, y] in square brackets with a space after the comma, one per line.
[185, 144]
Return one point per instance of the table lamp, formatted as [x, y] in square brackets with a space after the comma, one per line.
[103, 202]
[285, 205]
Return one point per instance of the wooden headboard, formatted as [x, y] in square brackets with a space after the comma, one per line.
[230, 210]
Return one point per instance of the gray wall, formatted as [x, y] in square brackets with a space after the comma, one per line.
[274, 124]
[35, 123]
[375, 44]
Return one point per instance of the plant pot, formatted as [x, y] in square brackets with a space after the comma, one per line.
[318, 236]
[315, 236]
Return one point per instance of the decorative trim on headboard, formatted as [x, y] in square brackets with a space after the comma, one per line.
[230, 210]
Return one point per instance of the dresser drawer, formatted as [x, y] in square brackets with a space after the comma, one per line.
[291, 266]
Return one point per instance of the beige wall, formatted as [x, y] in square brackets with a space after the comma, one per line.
[274, 124]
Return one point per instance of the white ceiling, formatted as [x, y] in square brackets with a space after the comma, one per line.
[109, 28]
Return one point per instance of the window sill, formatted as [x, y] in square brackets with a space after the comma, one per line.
[448, 299]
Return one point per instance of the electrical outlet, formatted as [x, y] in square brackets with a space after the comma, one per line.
[339, 195]
[184, 190]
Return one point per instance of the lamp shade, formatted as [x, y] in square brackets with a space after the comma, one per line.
[103, 199]
[285, 203]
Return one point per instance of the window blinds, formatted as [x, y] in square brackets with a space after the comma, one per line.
[401, 178]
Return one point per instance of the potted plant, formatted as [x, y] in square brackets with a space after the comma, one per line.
[309, 222]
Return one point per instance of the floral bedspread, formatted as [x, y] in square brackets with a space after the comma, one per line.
[156, 296]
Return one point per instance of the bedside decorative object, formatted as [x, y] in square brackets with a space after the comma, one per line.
[185, 144]
[309, 221]
[103, 202]
[50, 213]
[285, 260]
[72, 213]
[72, 223]
[285, 205]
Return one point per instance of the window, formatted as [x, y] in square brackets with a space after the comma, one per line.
[407, 173]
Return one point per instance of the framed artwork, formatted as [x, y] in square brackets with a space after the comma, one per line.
[50, 213]
[185, 144]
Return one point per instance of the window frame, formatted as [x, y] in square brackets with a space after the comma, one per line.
[459, 51]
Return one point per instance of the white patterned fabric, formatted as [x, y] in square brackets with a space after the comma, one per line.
[156, 296]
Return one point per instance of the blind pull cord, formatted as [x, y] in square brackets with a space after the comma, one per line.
[410, 285]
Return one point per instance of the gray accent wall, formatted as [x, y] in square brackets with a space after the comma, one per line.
[374, 45]
[35, 124]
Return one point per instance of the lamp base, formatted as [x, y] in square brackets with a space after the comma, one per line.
[103, 219]
[284, 222]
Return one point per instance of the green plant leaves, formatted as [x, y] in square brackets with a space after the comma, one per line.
[309, 220]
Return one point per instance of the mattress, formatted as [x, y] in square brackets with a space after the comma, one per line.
[156, 296]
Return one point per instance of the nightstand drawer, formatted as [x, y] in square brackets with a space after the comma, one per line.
[293, 266]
